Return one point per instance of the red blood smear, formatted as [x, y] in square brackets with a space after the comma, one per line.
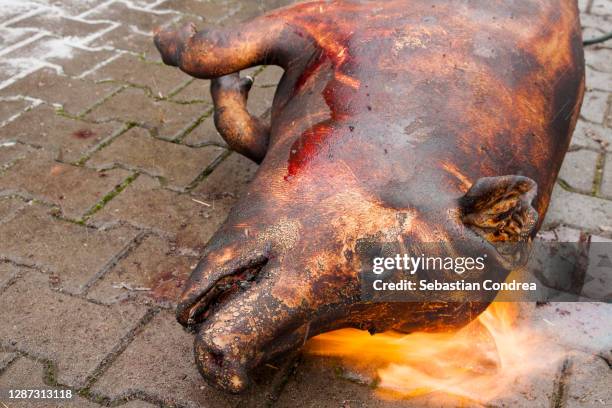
[309, 71]
[313, 140]
[83, 134]
[307, 146]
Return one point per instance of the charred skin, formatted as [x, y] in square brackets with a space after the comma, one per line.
[424, 121]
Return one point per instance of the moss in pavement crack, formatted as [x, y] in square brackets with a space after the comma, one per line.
[119, 188]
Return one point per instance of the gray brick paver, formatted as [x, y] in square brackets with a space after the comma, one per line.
[28, 374]
[74, 254]
[64, 329]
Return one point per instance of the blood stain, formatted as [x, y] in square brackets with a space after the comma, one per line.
[83, 134]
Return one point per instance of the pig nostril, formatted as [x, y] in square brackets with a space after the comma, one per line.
[217, 369]
[197, 310]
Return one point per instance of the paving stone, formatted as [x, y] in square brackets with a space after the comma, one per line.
[140, 4]
[73, 7]
[137, 404]
[9, 109]
[578, 210]
[73, 60]
[575, 326]
[260, 100]
[11, 36]
[594, 106]
[589, 383]
[597, 285]
[72, 254]
[197, 90]
[167, 120]
[143, 203]
[27, 374]
[66, 138]
[74, 95]
[592, 136]
[560, 234]
[8, 205]
[595, 26]
[159, 362]
[599, 80]
[205, 133]
[269, 77]
[144, 21]
[11, 68]
[7, 272]
[60, 25]
[251, 9]
[10, 152]
[125, 39]
[602, 7]
[64, 329]
[178, 164]
[159, 78]
[211, 12]
[317, 384]
[73, 189]
[154, 272]
[6, 359]
[529, 391]
[599, 58]
[578, 169]
[594, 21]
[10, 10]
[606, 184]
[228, 180]
[83, 61]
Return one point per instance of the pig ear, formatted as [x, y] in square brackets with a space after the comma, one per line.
[499, 208]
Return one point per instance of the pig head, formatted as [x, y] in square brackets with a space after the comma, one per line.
[421, 121]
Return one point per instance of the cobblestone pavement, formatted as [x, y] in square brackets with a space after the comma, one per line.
[106, 159]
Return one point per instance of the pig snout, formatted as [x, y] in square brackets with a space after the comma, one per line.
[236, 301]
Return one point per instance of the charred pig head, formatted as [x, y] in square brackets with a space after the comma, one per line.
[429, 121]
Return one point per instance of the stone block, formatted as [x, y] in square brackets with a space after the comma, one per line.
[74, 334]
[179, 165]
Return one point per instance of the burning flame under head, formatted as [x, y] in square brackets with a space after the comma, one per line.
[479, 362]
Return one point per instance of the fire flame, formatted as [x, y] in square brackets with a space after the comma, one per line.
[479, 362]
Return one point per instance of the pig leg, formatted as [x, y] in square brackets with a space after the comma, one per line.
[212, 53]
[217, 53]
[246, 134]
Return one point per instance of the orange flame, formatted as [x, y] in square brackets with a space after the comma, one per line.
[480, 361]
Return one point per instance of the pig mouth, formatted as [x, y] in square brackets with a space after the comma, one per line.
[220, 292]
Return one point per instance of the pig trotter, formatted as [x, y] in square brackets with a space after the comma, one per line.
[246, 134]
[171, 44]
[211, 53]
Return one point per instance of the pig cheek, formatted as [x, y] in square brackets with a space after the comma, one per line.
[293, 290]
[310, 282]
